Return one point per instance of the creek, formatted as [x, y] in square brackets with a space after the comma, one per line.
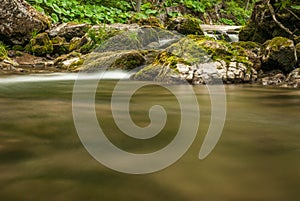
[42, 158]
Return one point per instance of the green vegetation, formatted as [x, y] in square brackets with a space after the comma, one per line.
[3, 51]
[104, 11]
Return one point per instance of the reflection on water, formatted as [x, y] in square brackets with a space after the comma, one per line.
[41, 157]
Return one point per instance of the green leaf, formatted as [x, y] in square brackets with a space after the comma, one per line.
[54, 17]
[296, 7]
[56, 8]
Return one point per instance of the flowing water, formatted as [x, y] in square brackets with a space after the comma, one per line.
[41, 157]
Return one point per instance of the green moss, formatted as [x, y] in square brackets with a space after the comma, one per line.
[3, 51]
[128, 61]
[60, 45]
[17, 48]
[40, 45]
[186, 25]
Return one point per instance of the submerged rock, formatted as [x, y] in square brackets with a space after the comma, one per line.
[19, 20]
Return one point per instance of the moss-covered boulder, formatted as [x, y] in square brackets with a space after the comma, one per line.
[122, 60]
[185, 25]
[279, 53]
[200, 60]
[60, 45]
[265, 23]
[40, 45]
[150, 21]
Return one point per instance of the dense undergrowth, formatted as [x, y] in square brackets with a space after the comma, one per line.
[104, 11]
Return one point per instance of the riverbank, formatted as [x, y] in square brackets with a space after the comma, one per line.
[174, 51]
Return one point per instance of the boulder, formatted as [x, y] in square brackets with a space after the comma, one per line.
[200, 61]
[40, 45]
[69, 30]
[19, 20]
[279, 53]
[124, 60]
[293, 79]
[185, 25]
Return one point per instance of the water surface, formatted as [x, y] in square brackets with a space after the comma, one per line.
[42, 158]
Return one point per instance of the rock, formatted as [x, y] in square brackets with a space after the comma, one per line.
[199, 61]
[279, 53]
[262, 27]
[293, 79]
[60, 45]
[40, 45]
[272, 78]
[71, 61]
[19, 20]
[298, 53]
[150, 21]
[69, 30]
[125, 60]
[185, 25]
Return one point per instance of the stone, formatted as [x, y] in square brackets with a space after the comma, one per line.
[69, 30]
[185, 25]
[279, 53]
[19, 20]
[40, 45]
[293, 79]
[124, 60]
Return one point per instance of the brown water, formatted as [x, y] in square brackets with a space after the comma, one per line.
[42, 158]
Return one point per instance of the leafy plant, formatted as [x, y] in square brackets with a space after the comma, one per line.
[3, 51]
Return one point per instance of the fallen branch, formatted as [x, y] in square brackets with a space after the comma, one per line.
[298, 18]
[276, 21]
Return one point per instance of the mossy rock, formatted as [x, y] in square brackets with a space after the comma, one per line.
[40, 45]
[150, 21]
[60, 45]
[279, 53]
[128, 61]
[185, 25]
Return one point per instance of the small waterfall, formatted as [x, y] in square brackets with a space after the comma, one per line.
[115, 74]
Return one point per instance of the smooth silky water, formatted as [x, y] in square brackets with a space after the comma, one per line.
[41, 157]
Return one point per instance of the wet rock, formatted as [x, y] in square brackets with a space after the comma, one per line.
[40, 45]
[19, 20]
[125, 60]
[279, 53]
[293, 79]
[272, 78]
[71, 61]
[185, 25]
[199, 61]
[69, 30]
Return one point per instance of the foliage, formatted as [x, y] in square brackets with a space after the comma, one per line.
[83, 11]
[3, 51]
[106, 11]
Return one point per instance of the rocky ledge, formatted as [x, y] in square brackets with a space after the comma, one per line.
[180, 51]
